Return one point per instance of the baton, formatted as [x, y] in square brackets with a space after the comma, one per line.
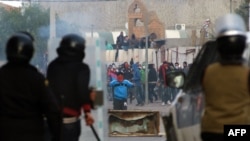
[95, 133]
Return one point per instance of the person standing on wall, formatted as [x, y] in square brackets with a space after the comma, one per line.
[119, 42]
[69, 80]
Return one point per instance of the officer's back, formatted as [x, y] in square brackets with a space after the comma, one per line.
[24, 97]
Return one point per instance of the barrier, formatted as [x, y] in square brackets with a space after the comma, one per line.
[133, 123]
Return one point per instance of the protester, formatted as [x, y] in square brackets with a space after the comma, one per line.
[137, 82]
[120, 87]
[120, 40]
[69, 80]
[133, 42]
[142, 70]
[185, 68]
[128, 75]
[152, 79]
[166, 91]
[111, 75]
[25, 100]
[125, 44]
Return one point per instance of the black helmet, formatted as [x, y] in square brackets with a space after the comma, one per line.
[19, 48]
[231, 37]
[72, 45]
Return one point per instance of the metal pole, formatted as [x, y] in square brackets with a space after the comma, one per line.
[177, 57]
[146, 72]
[167, 55]
[156, 55]
[92, 26]
[230, 6]
[146, 60]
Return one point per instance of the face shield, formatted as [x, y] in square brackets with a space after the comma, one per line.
[230, 25]
[231, 38]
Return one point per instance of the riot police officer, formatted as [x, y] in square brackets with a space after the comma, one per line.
[25, 100]
[226, 82]
[69, 80]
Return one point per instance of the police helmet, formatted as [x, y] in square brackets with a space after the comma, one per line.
[231, 36]
[72, 45]
[19, 48]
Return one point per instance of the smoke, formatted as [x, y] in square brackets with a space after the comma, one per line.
[83, 21]
[81, 24]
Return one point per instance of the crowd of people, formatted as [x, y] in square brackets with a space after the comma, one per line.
[135, 73]
[124, 42]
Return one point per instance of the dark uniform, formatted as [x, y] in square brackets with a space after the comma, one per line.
[69, 80]
[24, 97]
